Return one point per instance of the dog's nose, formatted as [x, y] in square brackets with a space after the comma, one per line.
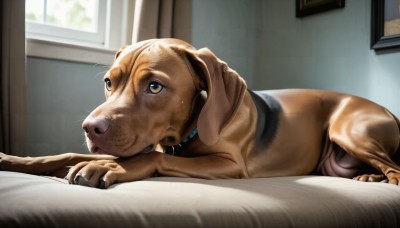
[96, 125]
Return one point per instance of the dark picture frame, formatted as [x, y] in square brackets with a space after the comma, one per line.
[379, 37]
[308, 7]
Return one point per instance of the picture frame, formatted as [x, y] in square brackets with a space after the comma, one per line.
[309, 7]
[385, 24]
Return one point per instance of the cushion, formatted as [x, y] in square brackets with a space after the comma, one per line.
[300, 201]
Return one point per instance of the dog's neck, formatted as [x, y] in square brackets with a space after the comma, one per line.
[191, 123]
[190, 129]
[177, 149]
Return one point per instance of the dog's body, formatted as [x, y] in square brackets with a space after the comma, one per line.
[164, 92]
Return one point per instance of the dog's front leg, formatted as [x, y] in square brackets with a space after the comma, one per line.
[103, 173]
[54, 165]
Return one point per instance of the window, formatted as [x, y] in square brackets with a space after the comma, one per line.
[73, 20]
[78, 30]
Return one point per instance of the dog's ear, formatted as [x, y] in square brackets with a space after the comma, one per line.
[225, 92]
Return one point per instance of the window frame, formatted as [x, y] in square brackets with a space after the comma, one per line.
[117, 30]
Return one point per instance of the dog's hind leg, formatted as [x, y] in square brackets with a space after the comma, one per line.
[370, 134]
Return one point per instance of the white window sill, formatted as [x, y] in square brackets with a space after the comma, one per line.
[69, 52]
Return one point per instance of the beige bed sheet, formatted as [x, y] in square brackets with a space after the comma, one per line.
[302, 201]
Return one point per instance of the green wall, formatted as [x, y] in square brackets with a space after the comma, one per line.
[228, 28]
[272, 49]
[60, 95]
[330, 51]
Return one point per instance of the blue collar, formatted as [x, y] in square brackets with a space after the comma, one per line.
[171, 150]
[191, 136]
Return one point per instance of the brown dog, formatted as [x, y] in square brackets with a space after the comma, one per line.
[164, 92]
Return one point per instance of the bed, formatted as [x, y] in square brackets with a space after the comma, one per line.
[300, 201]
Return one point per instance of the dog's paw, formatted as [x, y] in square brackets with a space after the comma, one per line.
[96, 174]
[371, 178]
[391, 178]
[394, 178]
[13, 163]
[4, 163]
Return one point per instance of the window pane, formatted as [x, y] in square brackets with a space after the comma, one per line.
[73, 14]
[34, 10]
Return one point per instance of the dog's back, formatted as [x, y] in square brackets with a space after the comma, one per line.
[297, 133]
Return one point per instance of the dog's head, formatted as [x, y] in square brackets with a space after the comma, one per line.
[152, 92]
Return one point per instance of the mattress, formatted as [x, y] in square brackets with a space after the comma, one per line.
[299, 201]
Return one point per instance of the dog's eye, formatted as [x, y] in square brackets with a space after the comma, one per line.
[155, 87]
[108, 83]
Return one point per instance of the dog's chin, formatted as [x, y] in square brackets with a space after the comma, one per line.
[98, 150]
[147, 149]
[114, 152]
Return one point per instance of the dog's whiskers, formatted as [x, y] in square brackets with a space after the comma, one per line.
[100, 74]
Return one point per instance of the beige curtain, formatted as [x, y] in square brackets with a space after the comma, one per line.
[162, 19]
[12, 80]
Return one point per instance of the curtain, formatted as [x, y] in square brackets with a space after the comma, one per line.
[162, 19]
[12, 79]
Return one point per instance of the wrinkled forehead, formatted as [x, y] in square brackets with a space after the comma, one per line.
[127, 56]
[150, 56]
